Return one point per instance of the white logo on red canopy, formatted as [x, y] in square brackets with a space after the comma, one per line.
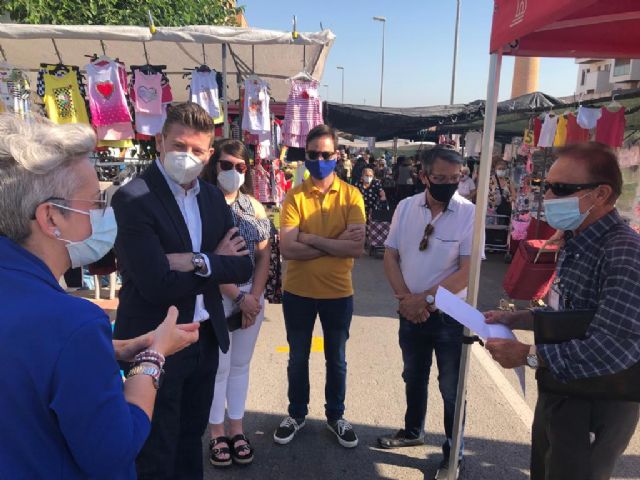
[521, 9]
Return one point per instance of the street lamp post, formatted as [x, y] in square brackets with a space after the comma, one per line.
[455, 53]
[327, 87]
[384, 23]
[342, 69]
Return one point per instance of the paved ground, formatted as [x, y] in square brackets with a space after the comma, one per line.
[497, 433]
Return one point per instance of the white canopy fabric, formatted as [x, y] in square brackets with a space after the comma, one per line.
[270, 54]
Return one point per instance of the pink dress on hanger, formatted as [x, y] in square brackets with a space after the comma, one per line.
[106, 93]
[148, 90]
[303, 112]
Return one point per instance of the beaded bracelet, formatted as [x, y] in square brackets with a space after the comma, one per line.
[152, 360]
[239, 298]
[150, 355]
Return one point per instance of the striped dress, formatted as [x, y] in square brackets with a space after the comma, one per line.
[304, 111]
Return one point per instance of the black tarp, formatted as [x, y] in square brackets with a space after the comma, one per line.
[385, 123]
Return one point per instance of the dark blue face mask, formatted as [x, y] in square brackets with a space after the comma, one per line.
[320, 169]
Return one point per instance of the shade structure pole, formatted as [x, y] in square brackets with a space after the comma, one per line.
[225, 102]
[488, 132]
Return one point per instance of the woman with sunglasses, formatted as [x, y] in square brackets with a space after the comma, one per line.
[229, 170]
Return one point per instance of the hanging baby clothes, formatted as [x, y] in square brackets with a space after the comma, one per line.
[588, 117]
[548, 131]
[261, 184]
[148, 88]
[610, 128]
[575, 133]
[537, 129]
[204, 91]
[561, 132]
[15, 91]
[62, 99]
[263, 150]
[256, 116]
[303, 112]
[147, 123]
[107, 94]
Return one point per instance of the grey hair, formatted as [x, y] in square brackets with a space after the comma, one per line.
[448, 154]
[36, 164]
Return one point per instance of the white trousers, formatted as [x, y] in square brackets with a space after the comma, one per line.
[232, 377]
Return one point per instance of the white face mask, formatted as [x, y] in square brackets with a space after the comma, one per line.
[230, 181]
[501, 173]
[368, 179]
[103, 235]
[182, 167]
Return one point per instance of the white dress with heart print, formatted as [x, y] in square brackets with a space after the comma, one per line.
[107, 99]
[148, 93]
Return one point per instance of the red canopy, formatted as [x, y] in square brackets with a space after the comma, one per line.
[567, 28]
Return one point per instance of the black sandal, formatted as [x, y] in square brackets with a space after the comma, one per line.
[242, 454]
[215, 457]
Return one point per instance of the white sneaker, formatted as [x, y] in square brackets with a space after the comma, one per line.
[287, 430]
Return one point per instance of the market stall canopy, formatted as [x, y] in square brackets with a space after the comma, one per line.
[385, 123]
[272, 55]
[566, 28]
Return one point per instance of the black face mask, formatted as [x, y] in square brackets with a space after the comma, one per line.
[442, 192]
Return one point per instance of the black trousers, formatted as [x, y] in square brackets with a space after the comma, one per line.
[577, 439]
[173, 450]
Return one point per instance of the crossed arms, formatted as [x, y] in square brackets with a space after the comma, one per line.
[296, 245]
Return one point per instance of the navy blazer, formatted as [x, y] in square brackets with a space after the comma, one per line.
[150, 225]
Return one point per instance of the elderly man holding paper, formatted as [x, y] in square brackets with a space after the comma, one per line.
[429, 245]
[587, 349]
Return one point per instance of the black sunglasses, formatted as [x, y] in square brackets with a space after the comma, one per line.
[226, 165]
[424, 243]
[313, 155]
[566, 189]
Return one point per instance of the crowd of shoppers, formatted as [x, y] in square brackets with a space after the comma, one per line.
[193, 248]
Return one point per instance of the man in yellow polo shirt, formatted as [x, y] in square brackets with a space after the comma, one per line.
[322, 231]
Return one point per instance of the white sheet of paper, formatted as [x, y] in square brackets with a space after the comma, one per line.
[474, 320]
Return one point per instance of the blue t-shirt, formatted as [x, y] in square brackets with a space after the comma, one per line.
[63, 414]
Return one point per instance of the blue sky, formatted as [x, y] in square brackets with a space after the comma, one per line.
[419, 49]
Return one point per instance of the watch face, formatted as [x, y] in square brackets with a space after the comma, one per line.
[532, 361]
[430, 299]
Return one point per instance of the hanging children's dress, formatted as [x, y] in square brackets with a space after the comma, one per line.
[610, 127]
[62, 99]
[15, 91]
[204, 91]
[256, 117]
[303, 112]
[107, 99]
[548, 130]
[148, 90]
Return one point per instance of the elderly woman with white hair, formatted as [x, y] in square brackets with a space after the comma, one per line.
[64, 411]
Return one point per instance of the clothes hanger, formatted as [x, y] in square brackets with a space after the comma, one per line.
[304, 76]
[614, 105]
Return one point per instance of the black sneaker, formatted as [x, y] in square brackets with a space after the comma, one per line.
[400, 439]
[287, 430]
[344, 431]
[443, 470]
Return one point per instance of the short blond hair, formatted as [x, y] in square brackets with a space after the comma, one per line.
[36, 160]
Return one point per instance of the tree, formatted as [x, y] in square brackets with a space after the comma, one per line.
[166, 13]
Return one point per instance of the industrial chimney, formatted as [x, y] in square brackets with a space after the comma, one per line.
[525, 76]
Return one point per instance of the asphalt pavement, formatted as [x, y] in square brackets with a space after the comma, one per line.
[497, 435]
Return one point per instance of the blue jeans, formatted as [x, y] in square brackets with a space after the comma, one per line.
[442, 334]
[299, 318]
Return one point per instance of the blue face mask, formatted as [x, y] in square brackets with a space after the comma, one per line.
[564, 213]
[103, 235]
[320, 169]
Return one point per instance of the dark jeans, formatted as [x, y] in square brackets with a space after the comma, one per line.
[442, 335]
[299, 317]
[562, 446]
[173, 450]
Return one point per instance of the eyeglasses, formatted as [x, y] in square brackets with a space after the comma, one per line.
[566, 189]
[445, 178]
[314, 155]
[100, 203]
[424, 243]
[226, 165]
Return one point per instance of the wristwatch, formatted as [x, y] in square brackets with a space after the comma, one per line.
[154, 372]
[199, 263]
[431, 300]
[532, 358]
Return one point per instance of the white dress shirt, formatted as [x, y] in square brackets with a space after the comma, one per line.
[451, 239]
[188, 203]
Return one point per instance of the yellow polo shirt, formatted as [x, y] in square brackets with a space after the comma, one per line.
[326, 215]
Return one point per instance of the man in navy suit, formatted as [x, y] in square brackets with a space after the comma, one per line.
[176, 244]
